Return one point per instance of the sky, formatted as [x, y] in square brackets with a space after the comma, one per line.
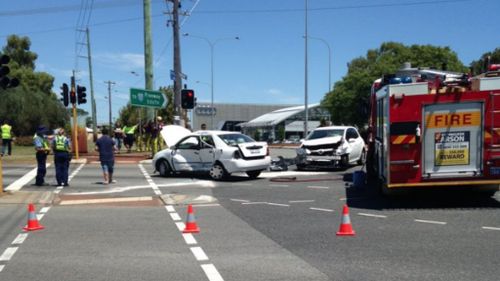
[265, 66]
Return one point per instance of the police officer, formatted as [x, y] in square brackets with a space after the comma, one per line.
[6, 138]
[62, 150]
[42, 150]
[129, 132]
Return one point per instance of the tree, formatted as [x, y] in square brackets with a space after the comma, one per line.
[32, 103]
[479, 66]
[348, 102]
[168, 112]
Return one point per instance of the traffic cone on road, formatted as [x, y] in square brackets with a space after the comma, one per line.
[345, 226]
[32, 220]
[191, 226]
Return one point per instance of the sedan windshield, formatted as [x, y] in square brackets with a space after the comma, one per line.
[234, 139]
[325, 134]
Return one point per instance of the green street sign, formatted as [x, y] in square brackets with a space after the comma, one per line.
[147, 98]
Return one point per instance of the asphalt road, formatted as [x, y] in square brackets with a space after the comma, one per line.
[260, 229]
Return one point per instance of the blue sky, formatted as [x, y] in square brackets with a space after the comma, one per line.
[266, 66]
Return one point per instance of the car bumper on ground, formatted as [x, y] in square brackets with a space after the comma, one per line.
[309, 161]
[241, 165]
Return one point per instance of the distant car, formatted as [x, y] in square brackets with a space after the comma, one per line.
[334, 146]
[294, 139]
[219, 153]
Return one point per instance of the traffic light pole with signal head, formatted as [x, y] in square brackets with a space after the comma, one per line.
[65, 94]
[81, 94]
[75, 125]
[187, 99]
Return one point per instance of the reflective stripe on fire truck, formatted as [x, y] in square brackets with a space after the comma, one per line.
[403, 139]
[444, 183]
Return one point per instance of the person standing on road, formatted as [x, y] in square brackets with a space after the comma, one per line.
[106, 148]
[62, 150]
[129, 137]
[42, 150]
[118, 137]
[6, 138]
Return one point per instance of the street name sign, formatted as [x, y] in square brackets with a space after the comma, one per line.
[147, 98]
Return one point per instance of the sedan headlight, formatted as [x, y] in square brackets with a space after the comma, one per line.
[300, 151]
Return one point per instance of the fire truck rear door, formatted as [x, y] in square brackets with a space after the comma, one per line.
[452, 140]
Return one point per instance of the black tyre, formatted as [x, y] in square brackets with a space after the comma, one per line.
[362, 158]
[253, 174]
[163, 168]
[217, 172]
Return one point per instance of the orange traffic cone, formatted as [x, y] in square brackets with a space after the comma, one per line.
[32, 220]
[345, 226]
[191, 226]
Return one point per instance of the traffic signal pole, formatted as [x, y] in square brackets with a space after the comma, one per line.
[75, 125]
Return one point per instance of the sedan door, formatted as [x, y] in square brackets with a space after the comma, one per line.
[355, 142]
[186, 155]
[207, 152]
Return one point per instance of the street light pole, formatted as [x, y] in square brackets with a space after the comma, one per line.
[329, 60]
[306, 109]
[212, 47]
[109, 100]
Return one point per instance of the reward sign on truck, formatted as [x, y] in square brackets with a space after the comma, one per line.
[452, 148]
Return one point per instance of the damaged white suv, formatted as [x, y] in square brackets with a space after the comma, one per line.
[331, 147]
[218, 152]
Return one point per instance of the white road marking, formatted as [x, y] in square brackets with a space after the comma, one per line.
[175, 216]
[301, 201]
[432, 222]
[20, 238]
[318, 187]
[321, 209]
[239, 200]
[39, 216]
[490, 228]
[8, 253]
[253, 203]
[242, 184]
[276, 204]
[189, 238]
[106, 200]
[372, 215]
[279, 185]
[170, 208]
[207, 205]
[18, 184]
[181, 226]
[199, 254]
[1, 267]
[291, 173]
[44, 210]
[211, 272]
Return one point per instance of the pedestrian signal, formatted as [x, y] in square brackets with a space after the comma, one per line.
[187, 99]
[81, 94]
[65, 94]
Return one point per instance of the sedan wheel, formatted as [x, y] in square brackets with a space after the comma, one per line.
[362, 158]
[164, 168]
[217, 172]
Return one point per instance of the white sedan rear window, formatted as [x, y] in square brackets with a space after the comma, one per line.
[234, 139]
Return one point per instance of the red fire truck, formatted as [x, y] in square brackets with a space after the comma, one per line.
[431, 128]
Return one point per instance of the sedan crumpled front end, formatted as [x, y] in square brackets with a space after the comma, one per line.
[322, 153]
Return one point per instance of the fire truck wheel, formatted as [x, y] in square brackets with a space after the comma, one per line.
[362, 158]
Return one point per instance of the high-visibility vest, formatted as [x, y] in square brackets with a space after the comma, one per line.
[6, 131]
[129, 130]
[61, 143]
[45, 143]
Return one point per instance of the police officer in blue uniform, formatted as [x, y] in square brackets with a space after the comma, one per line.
[42, 150]
[62, 157]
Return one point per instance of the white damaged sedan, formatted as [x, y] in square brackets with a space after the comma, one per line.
[220, 153]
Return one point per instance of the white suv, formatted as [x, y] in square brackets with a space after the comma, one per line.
[331, 147]
[218, 152]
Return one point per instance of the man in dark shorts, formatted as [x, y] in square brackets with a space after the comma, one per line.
[106, 147]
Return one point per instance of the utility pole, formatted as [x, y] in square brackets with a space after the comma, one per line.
[109, 100]
[148, 54]
[306, 109]
[92, 99]
[177, 64]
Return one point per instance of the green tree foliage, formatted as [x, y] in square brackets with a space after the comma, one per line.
[348, 102]
[32, 103]
[479, 66]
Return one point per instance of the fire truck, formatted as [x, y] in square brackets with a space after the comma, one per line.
[432, 129]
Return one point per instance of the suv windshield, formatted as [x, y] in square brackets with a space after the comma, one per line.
[234, 139]
[325, 134]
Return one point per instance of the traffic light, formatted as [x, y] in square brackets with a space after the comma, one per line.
[187, 99]
[6, 82]
[72, 96]
[81, 94]
[65, 94]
